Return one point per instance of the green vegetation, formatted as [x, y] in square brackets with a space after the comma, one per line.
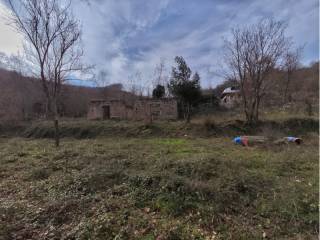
[157, 188]
[185, 88]
[220, 125]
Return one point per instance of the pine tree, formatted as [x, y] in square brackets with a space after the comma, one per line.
[186, 89]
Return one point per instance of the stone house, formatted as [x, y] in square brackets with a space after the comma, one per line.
[230, 97]
[139, 109]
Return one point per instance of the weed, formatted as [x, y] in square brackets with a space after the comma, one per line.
[159, 188]
[209, 124]
[39, 174]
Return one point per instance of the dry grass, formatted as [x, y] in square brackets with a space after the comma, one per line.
[157, 188]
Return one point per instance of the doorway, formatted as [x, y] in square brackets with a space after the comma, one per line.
[105, 112]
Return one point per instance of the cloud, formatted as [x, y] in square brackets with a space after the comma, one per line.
[124, 37]
[134, 35]
[10, 41]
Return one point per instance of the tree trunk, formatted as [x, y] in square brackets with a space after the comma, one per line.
[188, 113]
[56, 124]
[247, 113]
[245, 107]
[48, 113]
[286, 88]
[256, 113]
[251, 113]
[56, 132]
[250, 118]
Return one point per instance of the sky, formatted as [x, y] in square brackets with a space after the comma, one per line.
[126, 39]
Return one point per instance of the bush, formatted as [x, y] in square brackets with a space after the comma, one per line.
[308, 108]
[209, 124]
[39, 174]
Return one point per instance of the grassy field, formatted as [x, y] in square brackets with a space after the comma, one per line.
[183, 187]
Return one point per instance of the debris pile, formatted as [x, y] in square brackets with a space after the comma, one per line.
[253, 140]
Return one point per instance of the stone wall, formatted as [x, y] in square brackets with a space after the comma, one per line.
[117, 110]
[164, 109]
[230, 100]
[144, 109]
[95, 111]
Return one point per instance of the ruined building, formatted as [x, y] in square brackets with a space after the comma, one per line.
[230, 97]
[139, 109]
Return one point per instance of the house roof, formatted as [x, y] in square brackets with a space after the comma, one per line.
[230, 90]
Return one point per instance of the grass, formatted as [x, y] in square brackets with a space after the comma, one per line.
[276, 113]
[183, 187]
[205, 126]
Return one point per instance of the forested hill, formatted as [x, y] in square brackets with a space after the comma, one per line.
[22, 97]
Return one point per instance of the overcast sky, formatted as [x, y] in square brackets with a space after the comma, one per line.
[122, 37]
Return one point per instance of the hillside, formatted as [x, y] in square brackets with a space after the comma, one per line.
[304, 85]
[22, 97]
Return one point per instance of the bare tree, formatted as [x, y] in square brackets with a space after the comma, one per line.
[290, 65]
[160, 77]
[16, 64]
[133, 83]
[252, 54]
[101, 79]
[158, 73]
[52, 45]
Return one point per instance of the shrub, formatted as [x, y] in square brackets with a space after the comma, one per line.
[209, 124]
[39, 174]
[308, 108]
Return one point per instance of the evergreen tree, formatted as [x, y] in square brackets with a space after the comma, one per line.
[158, 92]
[183, 87]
